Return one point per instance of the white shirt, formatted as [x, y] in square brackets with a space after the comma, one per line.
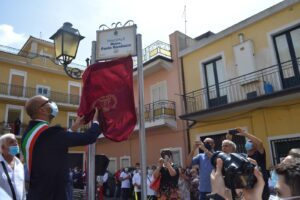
[16, 176]
[150, 179]
[136, 179]
[125, 183]
[105, 177]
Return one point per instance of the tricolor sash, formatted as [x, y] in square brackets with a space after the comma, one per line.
[29, 142]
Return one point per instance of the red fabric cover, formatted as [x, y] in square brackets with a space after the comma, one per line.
[109, 87]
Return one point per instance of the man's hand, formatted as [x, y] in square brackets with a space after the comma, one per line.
[257, 190]
[95, 118]
[78, 122]
[217, 181]
[241, 132]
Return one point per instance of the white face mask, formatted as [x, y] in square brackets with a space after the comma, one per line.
[150, 171]
[272, 197]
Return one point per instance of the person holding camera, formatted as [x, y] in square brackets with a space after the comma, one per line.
[203, 161]
[169, 174]
[256, 151]
[221, 192]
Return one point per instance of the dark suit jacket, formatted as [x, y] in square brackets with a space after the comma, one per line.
[49, 173]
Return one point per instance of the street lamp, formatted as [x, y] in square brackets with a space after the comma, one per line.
[66, 42]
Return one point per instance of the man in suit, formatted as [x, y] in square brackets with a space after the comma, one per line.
[45, 148]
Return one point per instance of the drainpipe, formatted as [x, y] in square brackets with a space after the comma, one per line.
[189, 126]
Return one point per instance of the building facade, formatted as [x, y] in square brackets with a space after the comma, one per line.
[247, 76]
[33, 71]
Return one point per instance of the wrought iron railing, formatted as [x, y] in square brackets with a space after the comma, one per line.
[245, 87]
[17, 91]
[157, 48]
[163, 109]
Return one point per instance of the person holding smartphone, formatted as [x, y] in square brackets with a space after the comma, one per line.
[256, 151]
[169, 174]
[203, 161]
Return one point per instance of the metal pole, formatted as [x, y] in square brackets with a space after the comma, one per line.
[141, 116]
[91, 151]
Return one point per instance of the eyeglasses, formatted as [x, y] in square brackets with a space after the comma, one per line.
[48, 101]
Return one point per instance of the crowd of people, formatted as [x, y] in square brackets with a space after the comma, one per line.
[209, 174]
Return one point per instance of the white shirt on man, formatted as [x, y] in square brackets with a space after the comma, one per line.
[136, 179]
[16, 176]
[125, 183]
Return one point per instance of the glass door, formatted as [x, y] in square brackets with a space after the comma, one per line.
[214, 77]
[287, 46]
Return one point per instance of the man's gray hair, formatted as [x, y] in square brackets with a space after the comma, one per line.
[4, 138]
[231, 143]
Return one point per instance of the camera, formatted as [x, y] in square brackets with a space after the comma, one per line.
[237, 170]
[233, 131]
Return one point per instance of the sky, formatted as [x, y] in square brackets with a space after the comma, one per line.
[155, 19]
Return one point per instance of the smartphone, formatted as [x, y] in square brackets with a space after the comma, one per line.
[233, 131]
[166, 158]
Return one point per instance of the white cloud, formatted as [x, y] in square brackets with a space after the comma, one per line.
[9, 38]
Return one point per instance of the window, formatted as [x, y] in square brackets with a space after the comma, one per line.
[112, 166]
[281, 145]
[159, 91]
[71, 119]
[125, 161]
[74, 92]
[43, 90]
[17, 82]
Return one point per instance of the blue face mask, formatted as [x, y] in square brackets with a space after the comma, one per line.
[54, 109]
[248, 146]
[14, 150]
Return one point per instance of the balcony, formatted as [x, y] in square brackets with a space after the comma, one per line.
[160, 113]
[156, 56]
[20, 93]
[260, 88]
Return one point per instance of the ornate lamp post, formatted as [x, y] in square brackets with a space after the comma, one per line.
[66, 42]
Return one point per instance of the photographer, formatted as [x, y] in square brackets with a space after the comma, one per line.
[219, 191]
[203, 161]
[256, 151]
[169, 173]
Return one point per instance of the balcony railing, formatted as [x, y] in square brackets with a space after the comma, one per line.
[158, 48]
[250, 86]
[162, 109]
[16, 91]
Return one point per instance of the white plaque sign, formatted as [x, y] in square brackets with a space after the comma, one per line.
[116, 42]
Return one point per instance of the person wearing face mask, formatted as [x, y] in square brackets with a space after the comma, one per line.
[45, 148]
[136, 182]
[12, 179]
[256, 151]
[205, 166]
[151, 194]
[125, 184]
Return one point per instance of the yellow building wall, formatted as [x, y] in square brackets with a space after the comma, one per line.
[258, 32]
[278, 120]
